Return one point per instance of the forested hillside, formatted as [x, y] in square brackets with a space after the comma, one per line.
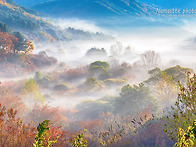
[28, 22]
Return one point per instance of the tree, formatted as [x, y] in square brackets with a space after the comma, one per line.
[177, 73]
[21, 41]
[119, 51]
[183, 113]
[62, 87]
[99, 70]
[23, 44]
[7, 42]
[4, 28]
[165, 90]
[128, 51]
[28, 46]
[150, 59]
[187, 137]
[114, 82]
[14, 132]
[133, 99]
[38, 76]
[91, 83]
[96, 52]
[31, 92]
[116, 49]
[103, 64]
[43, 129]
[78, 140]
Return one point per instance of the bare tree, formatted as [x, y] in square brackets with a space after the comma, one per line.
[116, 49]
[150, 59]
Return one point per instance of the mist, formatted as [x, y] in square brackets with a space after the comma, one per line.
[106, 78]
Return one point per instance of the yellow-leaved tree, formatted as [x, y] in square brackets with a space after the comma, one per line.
[31, 93]
[165, 90]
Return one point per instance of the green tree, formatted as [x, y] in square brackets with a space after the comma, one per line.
[135, 98]
[92, 83]
[20, 46]
[99, 70]
[4, 28]
[38, 76]
[103, 64]
[177, 73]
[43, 129]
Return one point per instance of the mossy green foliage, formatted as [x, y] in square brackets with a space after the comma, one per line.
[102, 64]
[43, 80]
[177, 73]
[92, 83]
[114, 82]
[100, 69]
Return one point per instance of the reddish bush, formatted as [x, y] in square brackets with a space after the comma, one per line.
[40, 113]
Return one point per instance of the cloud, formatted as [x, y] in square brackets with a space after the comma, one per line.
[85, 25]
[190, 25]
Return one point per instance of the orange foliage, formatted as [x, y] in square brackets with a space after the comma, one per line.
[40, 113]
[13, 132]
[7, 42]
[10, 100]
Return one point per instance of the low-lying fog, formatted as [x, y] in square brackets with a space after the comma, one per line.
[175, 44]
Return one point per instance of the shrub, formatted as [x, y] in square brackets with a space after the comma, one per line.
[114, 82]
[62, 87]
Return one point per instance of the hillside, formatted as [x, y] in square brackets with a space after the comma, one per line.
[15, 54]
[93, 8]
[28, 22]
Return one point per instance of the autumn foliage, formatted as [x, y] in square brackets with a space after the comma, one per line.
[7, 42]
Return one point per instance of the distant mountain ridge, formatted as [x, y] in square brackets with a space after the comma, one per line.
[103, 8]
[93, 8]
[28, 22]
